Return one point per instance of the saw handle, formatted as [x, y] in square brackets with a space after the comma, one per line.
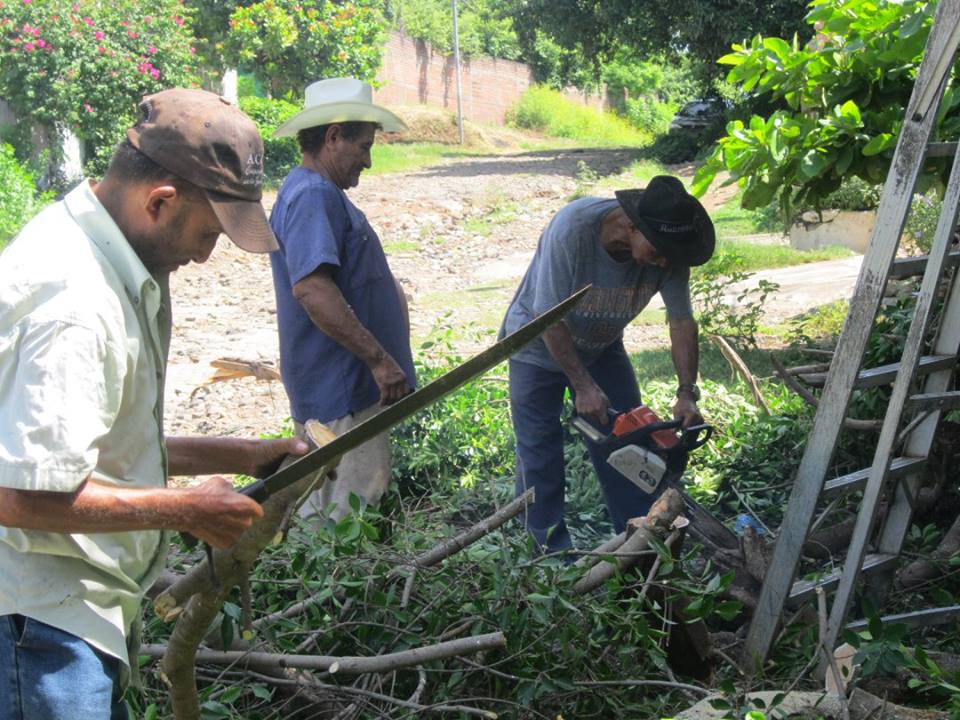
[691, 440]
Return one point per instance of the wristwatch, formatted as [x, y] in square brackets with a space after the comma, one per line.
[689, 388]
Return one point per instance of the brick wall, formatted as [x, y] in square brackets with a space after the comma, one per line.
[413, 73]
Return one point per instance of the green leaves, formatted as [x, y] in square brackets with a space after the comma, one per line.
[85, 66]
[290, 43]
[846, 89]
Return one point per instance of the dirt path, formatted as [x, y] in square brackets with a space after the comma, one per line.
[459, 237]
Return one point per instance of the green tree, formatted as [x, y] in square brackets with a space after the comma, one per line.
[288, 44]
[596, 31]
[845, 95]
[485, 26]
[85, 65]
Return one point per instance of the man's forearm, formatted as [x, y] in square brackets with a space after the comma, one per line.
[96, 507]
[559, 342]
[329, 310]
[210, 455]
[685, 349]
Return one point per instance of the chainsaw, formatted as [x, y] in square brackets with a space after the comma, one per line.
[652, 454]
[645, 449]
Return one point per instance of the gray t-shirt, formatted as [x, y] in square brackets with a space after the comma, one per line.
[569, 256]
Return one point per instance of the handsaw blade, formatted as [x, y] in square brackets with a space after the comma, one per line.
[412, 403]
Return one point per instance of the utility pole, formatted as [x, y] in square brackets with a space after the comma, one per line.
[456, 60]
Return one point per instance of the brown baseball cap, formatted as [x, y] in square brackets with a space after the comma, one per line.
[208, 141]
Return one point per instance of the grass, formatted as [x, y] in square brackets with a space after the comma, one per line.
[499, 213]
[397, 157]
[765, 257]
[548, 111]
[400, 246]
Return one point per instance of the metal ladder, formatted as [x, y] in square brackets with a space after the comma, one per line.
[920, 383]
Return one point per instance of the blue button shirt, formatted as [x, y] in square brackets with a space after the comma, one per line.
[316, 224]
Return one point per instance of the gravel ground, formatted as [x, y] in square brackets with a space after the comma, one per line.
[458, 236]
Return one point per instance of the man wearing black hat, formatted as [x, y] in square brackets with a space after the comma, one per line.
[642, 243]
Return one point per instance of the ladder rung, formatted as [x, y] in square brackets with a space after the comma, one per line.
[854, 481]
[920, 618]
[941, 149]
[886, 374]
[934, 401]
[911, 266]
[803, 589]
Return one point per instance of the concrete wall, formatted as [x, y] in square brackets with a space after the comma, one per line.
[413, 73]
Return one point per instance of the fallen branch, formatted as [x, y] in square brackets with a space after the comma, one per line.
[468, 537]
[791, 382]
[345, 665]
[643, 683]
[920, 571]
[656, 524]
[738, 364]
[194, 601]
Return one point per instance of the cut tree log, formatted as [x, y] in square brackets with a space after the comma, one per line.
[656, 524]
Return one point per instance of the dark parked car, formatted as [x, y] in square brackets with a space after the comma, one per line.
[698, 114]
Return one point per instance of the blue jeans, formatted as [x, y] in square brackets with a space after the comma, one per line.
[48, 674]
[536, 402]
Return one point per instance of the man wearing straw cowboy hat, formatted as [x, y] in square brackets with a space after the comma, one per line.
[342, 317]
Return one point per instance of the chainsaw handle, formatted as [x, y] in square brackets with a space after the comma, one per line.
[691, 440]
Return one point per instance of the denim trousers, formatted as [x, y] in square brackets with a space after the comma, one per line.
[48, 674]
[536, 402]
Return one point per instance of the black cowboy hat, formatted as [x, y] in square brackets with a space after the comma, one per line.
[672, 219]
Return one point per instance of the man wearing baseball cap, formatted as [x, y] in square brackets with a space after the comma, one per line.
[84, 333]
[629, 248]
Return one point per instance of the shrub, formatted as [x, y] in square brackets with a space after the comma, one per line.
[853, 194]
[649, 114]
[280, 155]
[85, 66]
[548, 111]
[288, 44]
[18, 196]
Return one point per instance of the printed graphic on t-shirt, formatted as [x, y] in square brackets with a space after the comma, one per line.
[602, 315]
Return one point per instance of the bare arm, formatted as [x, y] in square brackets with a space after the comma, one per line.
[212, 512]
[591, 402]
[329, 311]
[206, 456]
[685, 351]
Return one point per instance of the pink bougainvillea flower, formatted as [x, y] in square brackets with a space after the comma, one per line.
[27, 2]
[132, 34]
[193, 51]
[88, 21]
[147, 19]
[178, 20]
[87, 107]
[152, 50]
[28, 47]
[101, 49]
[75, 7]
[155, 74]
[41, 43]
[125, 23]
[98, 35]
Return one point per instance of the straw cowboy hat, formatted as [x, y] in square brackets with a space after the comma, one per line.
[339, 100]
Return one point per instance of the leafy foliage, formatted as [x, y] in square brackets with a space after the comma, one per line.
[484, 27]
[550, 112]
[709, 287]
[594, 32]
[85, 66]
[19, 200]
[280, 155]
[845, 92]
[288, 44]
